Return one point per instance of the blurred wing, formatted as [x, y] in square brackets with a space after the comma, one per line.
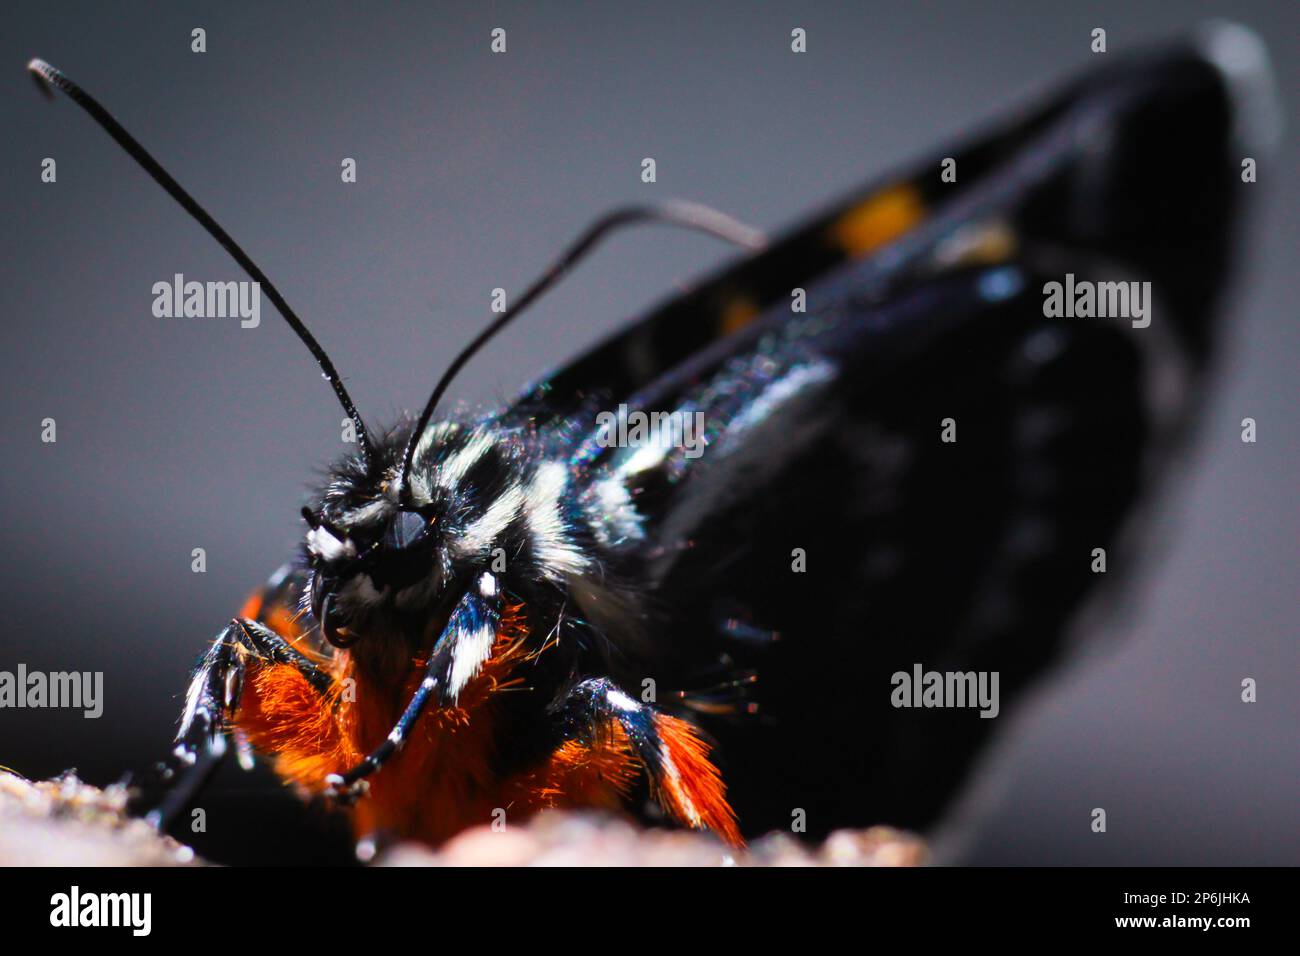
[942, 455]
[1128, 162]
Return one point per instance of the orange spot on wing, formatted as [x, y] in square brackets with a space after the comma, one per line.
[878, 220]
[737, 314]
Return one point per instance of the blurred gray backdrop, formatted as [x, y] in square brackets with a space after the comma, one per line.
[473, 170]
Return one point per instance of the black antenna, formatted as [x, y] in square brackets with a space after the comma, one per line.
[688, 215]
[55, 77]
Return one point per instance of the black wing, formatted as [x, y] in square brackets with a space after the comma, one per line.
[1127, 162]
[925, 303]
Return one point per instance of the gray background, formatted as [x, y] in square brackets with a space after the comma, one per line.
[473, 170]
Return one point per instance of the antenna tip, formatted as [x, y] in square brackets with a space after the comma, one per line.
[45, 75]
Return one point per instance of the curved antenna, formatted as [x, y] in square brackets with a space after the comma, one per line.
[687, 215]
[55, 78]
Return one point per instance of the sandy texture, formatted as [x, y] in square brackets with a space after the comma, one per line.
[579, 839]
[65, 822]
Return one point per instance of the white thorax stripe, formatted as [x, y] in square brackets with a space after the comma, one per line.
[552, 545]
[483, 533]
[452, 470]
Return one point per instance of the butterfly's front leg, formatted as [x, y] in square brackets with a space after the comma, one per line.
[597, 715]
[457, 656]
[243, 651]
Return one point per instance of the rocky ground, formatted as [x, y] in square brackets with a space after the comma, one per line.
[65, 822]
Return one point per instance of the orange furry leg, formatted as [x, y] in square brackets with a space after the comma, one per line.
[283, 715]
[580, 775]
[601, 775]
[691, 788]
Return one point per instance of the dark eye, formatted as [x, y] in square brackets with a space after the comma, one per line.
[408, 528]
[402, 558]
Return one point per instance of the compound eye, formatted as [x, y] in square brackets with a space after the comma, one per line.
[408, 528]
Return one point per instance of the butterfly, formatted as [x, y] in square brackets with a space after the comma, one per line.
[694, 574]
